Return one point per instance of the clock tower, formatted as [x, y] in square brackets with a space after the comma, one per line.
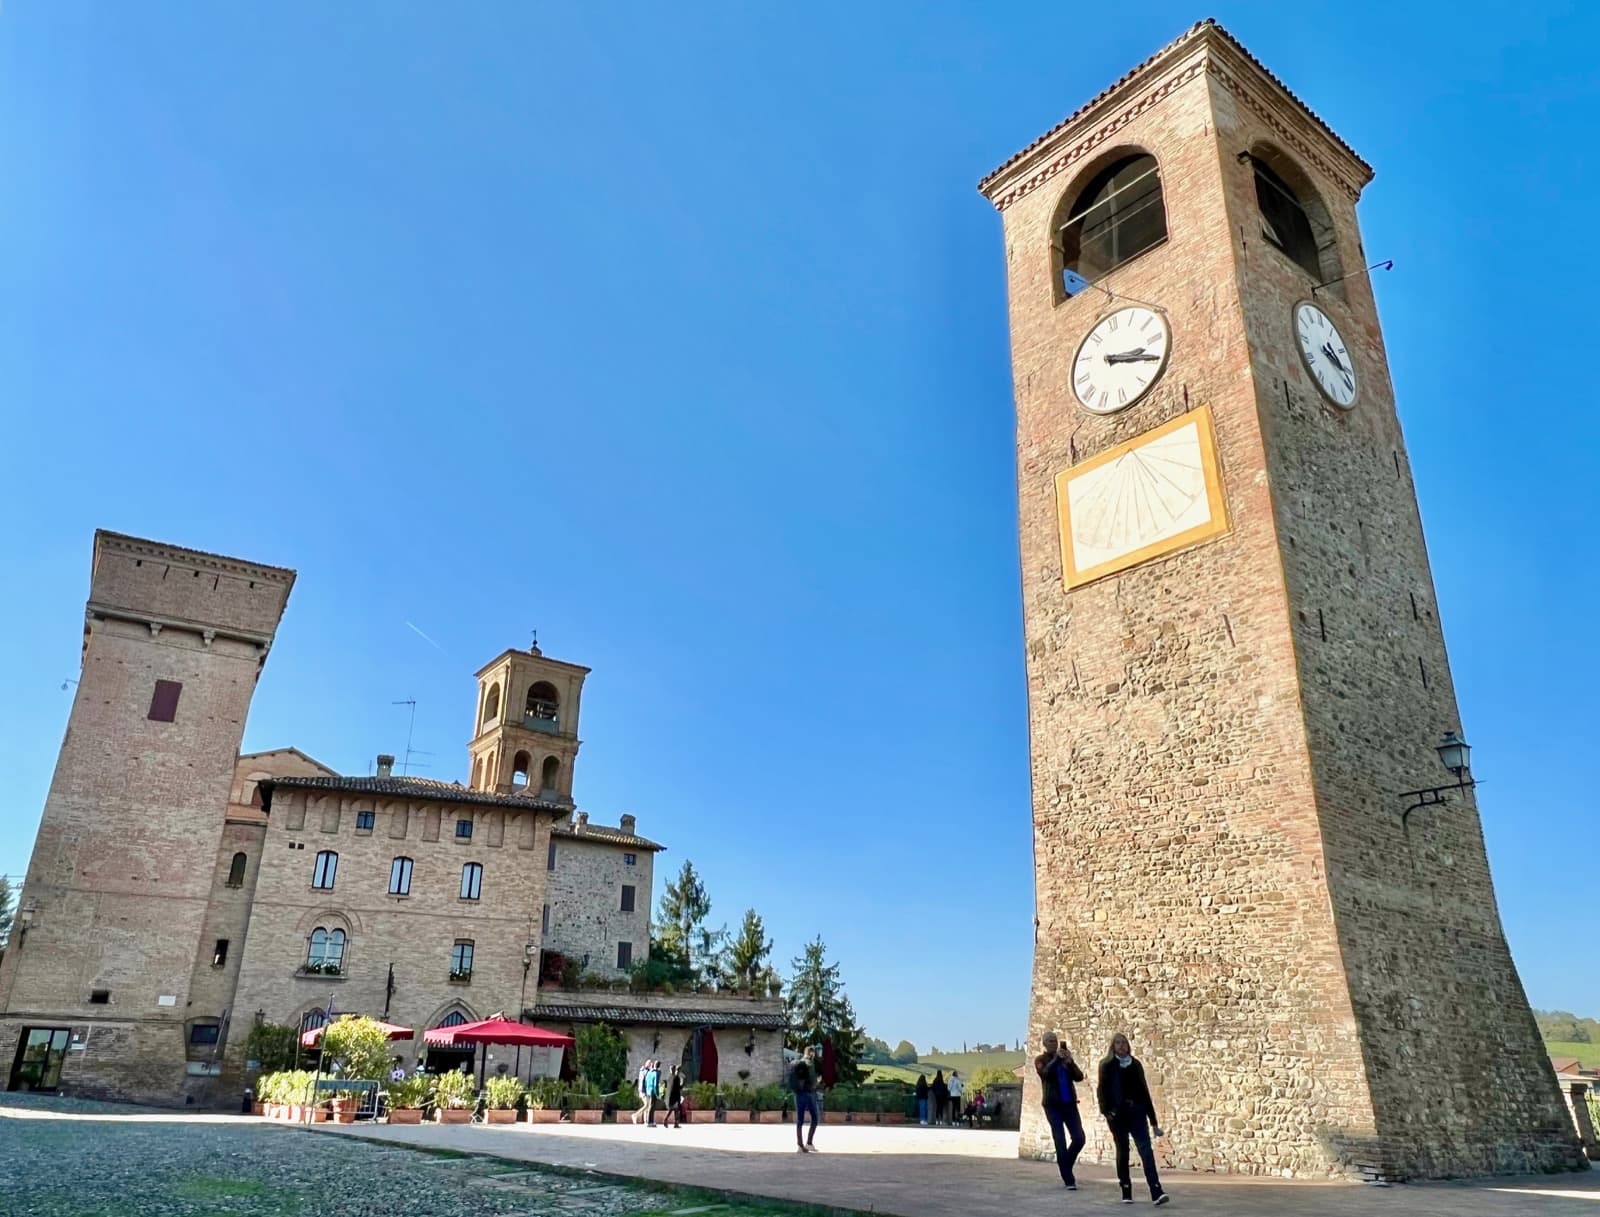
[1234, 655]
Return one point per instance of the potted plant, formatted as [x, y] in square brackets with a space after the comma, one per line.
[342, 1107]
[770, 1104]
[836, 1105]
[454, 1094]
[587, 1103]
[544, 1100]
[407, 1098]
[702, 1102]
[737, 1102]
[500, 1098]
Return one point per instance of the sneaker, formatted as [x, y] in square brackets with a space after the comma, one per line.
[799, 1149]
[1127, 1197]
[1160, 1199]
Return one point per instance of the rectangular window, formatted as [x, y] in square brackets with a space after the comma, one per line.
[461, 961]
[630, 859]
[327, 868]
[624, 954]
[400, 877]
[550, 862]
[219, 956]
[471, 881]
[463, 830]
[544, 920]
[164, 702]
[365, 820]
[204, 1033]
[627, 897]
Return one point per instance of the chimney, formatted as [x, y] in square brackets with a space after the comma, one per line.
[583, 820]
[628, 824]
[385, 765]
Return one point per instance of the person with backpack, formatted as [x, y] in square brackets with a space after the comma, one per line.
[804, 1081]
[1057, 1074]
[1126, 1104]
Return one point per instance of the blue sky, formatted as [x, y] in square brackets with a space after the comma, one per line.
[678, 333]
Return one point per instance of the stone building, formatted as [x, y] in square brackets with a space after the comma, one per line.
[1234, 654]
[179, 892]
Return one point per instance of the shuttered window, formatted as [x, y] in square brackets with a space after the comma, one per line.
[164, 701]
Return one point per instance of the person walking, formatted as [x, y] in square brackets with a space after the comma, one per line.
[922, 1099]
[652, 1090]
[1057, 1074]
[638, 1085]
[1126, 1104]
[805, 1100]
[957, 1086]
[941, 1096]
[674, 1099]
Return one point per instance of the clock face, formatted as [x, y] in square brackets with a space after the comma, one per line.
[1324, 353]
[1121, 358]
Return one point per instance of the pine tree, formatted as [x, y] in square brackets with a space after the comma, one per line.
[745, 966]
[819, 1011]
[681, 915]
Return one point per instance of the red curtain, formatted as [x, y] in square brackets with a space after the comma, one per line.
[708, 1056]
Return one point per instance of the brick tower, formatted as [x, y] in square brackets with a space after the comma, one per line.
[1234, 655]
[124, 863]
[526, 735]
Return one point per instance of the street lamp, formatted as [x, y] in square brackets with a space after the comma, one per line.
[1454, 753]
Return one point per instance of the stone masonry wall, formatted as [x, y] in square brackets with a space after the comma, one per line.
[586, 917]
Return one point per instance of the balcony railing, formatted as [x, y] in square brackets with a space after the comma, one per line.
[543, 719]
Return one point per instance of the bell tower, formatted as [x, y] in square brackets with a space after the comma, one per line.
[1234, 654]
[526, 731]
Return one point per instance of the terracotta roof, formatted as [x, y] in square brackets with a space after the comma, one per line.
[606, 836]
[1565, 1064]
[429, 789]
[657, 1015]
[1196, 30]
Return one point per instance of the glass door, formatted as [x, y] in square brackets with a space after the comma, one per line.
[39, 1056]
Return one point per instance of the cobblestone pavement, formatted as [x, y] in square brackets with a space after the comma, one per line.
[71, 1158]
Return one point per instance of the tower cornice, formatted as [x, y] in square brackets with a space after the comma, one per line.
[1205, 49]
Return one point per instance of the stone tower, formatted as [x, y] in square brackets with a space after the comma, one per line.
[1234, 654]
[124, 863]
[526, 735]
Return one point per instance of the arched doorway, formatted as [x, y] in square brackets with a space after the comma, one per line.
[700, 1056]
[447, 1060]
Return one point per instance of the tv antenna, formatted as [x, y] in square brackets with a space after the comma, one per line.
[405, 761]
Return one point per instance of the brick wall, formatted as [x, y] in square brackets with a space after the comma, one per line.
[586, 917]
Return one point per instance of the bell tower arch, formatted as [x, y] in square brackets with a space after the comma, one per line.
[525, 726]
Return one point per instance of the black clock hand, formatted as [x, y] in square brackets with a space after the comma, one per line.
[1136, 355]
[1327, 349]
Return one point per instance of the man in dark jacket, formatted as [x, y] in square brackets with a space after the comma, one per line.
[804, 1080]
[1126, 1104]
[1057, 1072]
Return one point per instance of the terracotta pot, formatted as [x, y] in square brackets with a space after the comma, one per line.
[258, 1109]
[344, 1117]
[502, 1115]
[735, 1117]
[319, 1115]
[544, 1115]
[583, 1116]
[769, 1117]
[835, 1117]
[405, 1115]
[702, 1117]
[892, 1117]
[455, 1115]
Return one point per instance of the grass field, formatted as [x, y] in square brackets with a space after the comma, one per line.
[966, 1062]
[1589, 1054]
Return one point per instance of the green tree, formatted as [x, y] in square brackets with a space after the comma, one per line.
[875, 1051]
[818, 1010]
[745, 962]
[602, 1056]
[682, 915]
[7, 906]
[356, 1048]
[272, 1045]
[905, 1053]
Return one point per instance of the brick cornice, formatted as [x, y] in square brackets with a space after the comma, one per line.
[157, 551]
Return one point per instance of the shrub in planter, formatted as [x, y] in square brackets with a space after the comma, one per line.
[455, 1094]
[587, 1103]
[771, 1104]
[737, 1103]
[407, 1098]
[501, 1096]
[544, 1100]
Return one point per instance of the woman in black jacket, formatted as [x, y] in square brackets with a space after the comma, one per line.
[1126, 1104]
[1057, 1072]
[922, 1098]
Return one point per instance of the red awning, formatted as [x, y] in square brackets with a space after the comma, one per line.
[314, 1037]
[496, 1031]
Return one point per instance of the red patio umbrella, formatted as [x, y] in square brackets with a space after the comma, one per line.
[496, 1031]
[314, 1037]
